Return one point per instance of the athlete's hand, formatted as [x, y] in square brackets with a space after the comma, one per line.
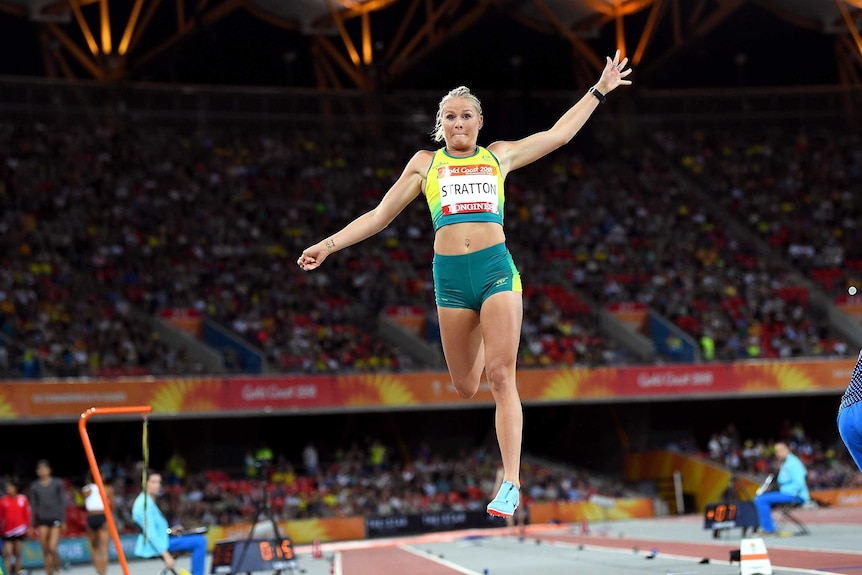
[312, 257]
[614, 74]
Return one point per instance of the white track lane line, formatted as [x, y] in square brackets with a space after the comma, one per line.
[336, 563]
[444, 562]
[680, 557]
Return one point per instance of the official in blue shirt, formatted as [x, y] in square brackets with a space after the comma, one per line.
[792, 487]
[155, 539]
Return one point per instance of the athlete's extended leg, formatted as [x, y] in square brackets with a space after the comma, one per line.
[502, 314]
[54, 543]
[19, 557]
[462, 346]
[47, 540]
[7, 557]
[100, 549]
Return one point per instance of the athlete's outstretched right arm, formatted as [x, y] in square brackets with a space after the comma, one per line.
[402, 192]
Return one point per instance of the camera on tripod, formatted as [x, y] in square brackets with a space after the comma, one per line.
[265, 548]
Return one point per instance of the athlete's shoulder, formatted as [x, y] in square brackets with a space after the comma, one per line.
[488, 155]
[421, 161]
[426, 155]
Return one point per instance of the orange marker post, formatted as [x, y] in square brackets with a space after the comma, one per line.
[94, 467]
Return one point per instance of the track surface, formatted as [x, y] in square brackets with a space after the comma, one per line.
[656, 546]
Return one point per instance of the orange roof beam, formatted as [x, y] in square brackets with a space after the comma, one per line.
[649, 31]
[427, 29]
[73, 49]
[677, 24]
[851, 25]
[85, 28]
[367, 54]
[14, 10]
[581, 46]
[620, 12]
[105, 26]
[702, 28]
[463, 23]
[335, 56]
[266, 16]
[330, 76]
[181, 14]
[211, 17]
[130, 27]
[64, 65]
[342, 30]
[620, 30]
[352, 10]
[47, 54]
[844, 49]
[402, 29]
[138, 30]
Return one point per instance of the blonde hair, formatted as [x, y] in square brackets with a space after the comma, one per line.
[461, 92]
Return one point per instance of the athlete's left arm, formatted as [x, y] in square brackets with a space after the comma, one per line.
[517, 154]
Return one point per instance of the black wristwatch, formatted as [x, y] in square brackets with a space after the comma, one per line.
[599, 96]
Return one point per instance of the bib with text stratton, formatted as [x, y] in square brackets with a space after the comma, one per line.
[464, 189]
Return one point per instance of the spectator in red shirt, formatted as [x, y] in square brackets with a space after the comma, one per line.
[14, 525]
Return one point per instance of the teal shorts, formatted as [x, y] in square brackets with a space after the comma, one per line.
[467, 280]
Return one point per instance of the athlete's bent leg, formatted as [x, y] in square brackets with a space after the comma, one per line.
[197, 544]
[462, 347]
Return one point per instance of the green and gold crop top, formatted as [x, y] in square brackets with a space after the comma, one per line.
[464, 189]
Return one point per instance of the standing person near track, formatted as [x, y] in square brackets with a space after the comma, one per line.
[15, 518]
[157, 538]
[477, 286]
[48, 501]
[97, 522]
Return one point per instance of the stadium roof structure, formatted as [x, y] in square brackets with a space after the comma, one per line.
[111, 40]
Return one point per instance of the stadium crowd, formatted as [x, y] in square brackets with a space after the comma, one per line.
[653, 239]
[371, 479]
[104, 229]
[103, 223]
[118, 225]
[794, 187]
[361, 480]
[828, 465]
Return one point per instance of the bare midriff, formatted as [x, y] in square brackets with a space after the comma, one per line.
[467, 237]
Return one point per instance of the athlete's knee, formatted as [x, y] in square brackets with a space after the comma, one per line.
[466, 388]
[501, 378]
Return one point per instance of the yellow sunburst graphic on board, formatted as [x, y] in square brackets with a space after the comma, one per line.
[576, 383]
[180, 395]
[775, 376]
[307, 530]
[375, 390]
[631, 508]
[6, 409]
